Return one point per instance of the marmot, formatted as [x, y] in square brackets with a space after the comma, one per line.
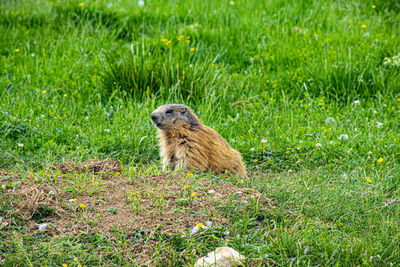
[186, 143]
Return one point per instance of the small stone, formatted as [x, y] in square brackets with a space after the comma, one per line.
[211, 191]
[43, 226]
[221, 257]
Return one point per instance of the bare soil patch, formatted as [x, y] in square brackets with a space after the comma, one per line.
[168, 203]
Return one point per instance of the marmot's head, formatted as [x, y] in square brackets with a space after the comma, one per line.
[172, 117]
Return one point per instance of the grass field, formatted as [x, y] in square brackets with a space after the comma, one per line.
[308, 91]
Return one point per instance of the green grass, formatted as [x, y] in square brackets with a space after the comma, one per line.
[279, 80]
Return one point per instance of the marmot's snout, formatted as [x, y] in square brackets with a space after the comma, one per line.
[156, 118]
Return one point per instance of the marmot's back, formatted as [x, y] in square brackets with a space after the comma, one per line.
[186, 143]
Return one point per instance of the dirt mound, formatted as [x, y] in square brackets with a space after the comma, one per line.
[80, 198]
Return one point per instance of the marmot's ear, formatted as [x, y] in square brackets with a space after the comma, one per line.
[183, 111]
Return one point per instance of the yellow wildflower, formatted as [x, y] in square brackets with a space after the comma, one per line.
[199, 225]
[369, 180]
[81, 4]
[82, 205]
[373, 6]
[188, 41]
[65, 95]
[75, 200]
[398, 99]
[186, 187]
[393, 36]
[16, 50]
[189, 174]
[75, 259]
[44, 91]
[363, 26]
[180, 37]
[192, 49]
[164, 40]
[98, 215]
[380, 160]
[65, 265]
[193, 194]
[169, 42]
[212, 65]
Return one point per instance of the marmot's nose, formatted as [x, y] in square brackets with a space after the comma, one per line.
[153, 117]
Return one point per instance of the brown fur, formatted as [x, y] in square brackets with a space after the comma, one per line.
[186, 143]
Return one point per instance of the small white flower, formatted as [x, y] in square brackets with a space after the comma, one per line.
[356, 102]
[140, 3]
[194, 230]
[252, 149]
[331, 142]
[264, 140]
[318, 145]
[20, 145]
[191, 66]
[349, 151]
[344, 175]
[32, 54]
[379, 124]
[232, 3]
[343, 137]
[369, 152]
[329, 120]
[107, 130]
[51, 193]
[374, 111]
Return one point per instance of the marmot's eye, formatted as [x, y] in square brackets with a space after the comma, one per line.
[169, 111]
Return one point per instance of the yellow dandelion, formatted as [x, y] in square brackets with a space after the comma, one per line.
[188, 41]
[199, 225]
[68, 146]
[193, 194]
[81, 4]
[256, 160]
[373, 6]
[169, 42]
[16, 50]
[75, 259]
[82, 205]
[192, 49]
[180, 37]
[212, 65]
[380, 160]
[227, 240]
[189, 174]
[186, 187]
[65, 265]
[369, 180]
[363, 26]
[164, 40]
[398, 99]
[98, 215]
[44, 91]
[65, 95]
[75, 200]
[393, 36]
[79, 265]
